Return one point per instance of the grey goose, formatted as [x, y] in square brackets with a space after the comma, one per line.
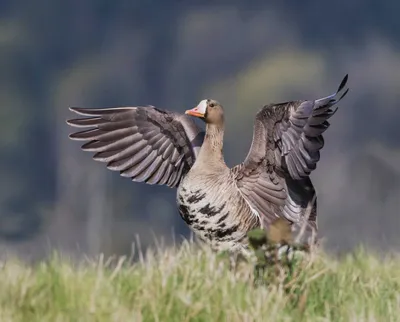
[218, 203]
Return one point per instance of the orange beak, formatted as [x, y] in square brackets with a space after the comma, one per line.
[194, 112]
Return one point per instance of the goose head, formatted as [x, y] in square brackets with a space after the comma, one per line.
[208, 110]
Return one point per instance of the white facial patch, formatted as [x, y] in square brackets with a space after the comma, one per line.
[202, 107]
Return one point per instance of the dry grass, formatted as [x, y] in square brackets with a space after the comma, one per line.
[192, 285]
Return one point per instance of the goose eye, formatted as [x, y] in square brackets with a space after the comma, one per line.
[211, 105]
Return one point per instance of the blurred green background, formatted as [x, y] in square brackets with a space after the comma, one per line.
[171, 54]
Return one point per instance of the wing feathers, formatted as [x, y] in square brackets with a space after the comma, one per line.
[293, 130]
[143, 143]
[100, 111]
[99, 146]
[138, 167]
[159, 173]
[300, 139]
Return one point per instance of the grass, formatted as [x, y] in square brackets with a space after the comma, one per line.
[187, 284]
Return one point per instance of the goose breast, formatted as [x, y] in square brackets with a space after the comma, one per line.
[213, 208]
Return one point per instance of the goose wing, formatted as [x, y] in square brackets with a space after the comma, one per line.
[256, 179]
[145, 144]
[287, 138]
[298, 132]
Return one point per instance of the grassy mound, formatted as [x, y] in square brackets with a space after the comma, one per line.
[187, 284]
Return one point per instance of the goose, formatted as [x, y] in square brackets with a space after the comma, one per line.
[219, 204]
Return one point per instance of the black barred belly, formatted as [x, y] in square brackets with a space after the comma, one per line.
[208, 217]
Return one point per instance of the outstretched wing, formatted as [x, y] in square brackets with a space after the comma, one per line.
[144, 143]
[298, 134]
[287, 138]
[256, 179]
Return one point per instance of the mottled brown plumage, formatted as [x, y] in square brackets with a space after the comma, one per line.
[219, 204]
